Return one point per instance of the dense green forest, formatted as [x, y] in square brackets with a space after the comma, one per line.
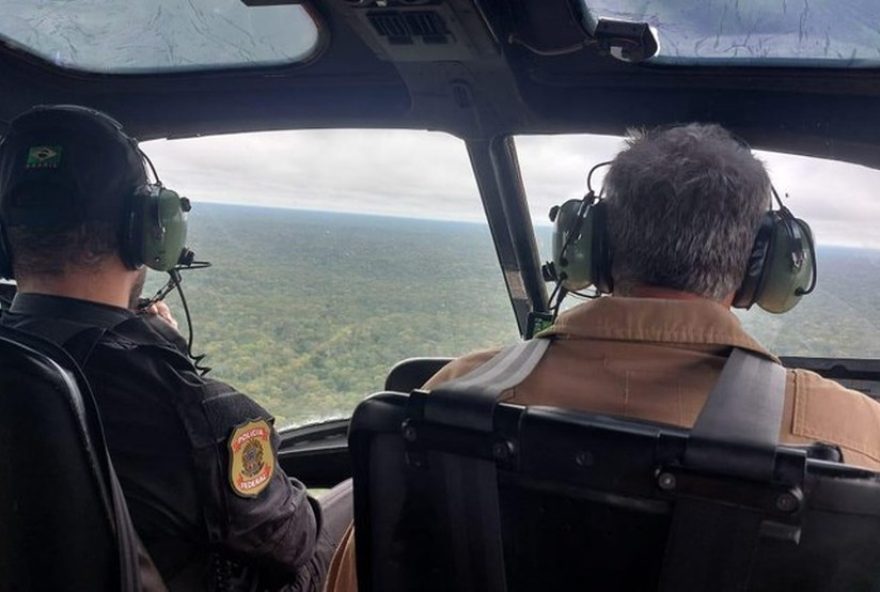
[307, 311]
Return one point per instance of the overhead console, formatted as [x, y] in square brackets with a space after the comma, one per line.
[421, 30]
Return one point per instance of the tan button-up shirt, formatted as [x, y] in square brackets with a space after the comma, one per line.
[657, 360]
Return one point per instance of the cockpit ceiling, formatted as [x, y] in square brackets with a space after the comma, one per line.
[474, 68]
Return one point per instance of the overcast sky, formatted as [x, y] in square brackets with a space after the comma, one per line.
[427, 175]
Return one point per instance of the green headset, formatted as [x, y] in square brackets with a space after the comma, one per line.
[153, 227]
[781, 266]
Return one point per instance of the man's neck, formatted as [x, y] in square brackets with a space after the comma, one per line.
[645, 291]
[92, 287]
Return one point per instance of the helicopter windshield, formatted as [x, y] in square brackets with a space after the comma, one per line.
[336, 254]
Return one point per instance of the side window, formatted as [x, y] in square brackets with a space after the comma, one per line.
[335, 255]
[841, 318]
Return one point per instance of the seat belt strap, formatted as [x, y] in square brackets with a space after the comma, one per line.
[469, 401]
[743, 413]
[475, 516]
[129, 562]
[712, 546]
[78, 340]
[58, 332]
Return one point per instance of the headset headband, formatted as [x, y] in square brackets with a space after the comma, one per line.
[782, 264]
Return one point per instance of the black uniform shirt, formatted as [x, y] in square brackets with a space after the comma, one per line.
[168, 432]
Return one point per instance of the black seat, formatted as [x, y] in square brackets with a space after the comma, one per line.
[64, 522]
[595, 502]
[412, 373]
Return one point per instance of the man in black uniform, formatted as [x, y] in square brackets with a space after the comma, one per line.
[196, 459]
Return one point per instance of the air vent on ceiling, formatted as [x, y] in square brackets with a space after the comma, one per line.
[404, 28]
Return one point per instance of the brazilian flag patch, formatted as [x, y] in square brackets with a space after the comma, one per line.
[43, 157]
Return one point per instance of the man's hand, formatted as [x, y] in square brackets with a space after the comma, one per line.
[161, 310]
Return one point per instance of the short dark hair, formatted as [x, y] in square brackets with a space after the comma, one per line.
[64, 212]
[54, 252]
[684, 206]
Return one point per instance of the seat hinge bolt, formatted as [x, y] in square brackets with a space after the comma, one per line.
[502, 450]
[666, 481]
[788, 503]
[583, 458]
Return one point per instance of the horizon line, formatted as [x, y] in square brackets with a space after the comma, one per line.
[482, 221]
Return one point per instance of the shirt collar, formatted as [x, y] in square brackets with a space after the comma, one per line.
[70, 309]
[654, 320]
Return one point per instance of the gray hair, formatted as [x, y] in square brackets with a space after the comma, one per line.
[684, 205]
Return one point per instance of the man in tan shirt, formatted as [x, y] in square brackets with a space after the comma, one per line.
[684, 206]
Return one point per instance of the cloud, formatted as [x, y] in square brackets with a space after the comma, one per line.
[428, 175]
[403, 173]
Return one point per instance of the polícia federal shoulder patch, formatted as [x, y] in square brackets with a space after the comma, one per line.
[251, 462]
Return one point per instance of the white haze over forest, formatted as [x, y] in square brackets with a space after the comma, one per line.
[427, 175]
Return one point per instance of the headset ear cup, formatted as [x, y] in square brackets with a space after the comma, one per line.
[790, 266]
[571, 245]
[130, 238]
[6, 266]
[749, 289]
[600, 262]
[581, 252]
[164, 229]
